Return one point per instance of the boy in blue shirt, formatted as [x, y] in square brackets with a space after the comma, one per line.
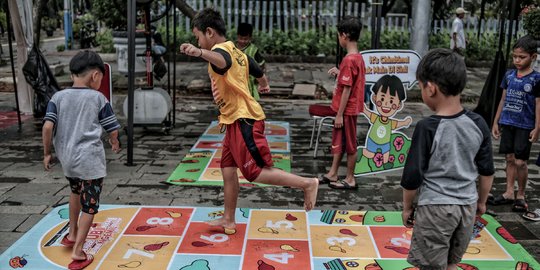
[517, 121]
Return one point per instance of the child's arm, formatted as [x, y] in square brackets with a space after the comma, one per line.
[534, 133]
[264, 87]
[416, 164]
[46, 134]
[212, 57]
[483, 191]
[113, 140]
[256, 71]
[404, 123]
[333, 71]
[367, 113]
[408, 198]
[495, 129]
[338, 123]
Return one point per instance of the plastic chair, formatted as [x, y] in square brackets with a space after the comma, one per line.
[321, 121]
[322, 115]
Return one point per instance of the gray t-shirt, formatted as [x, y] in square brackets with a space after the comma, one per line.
[446, 156]
[78, 115]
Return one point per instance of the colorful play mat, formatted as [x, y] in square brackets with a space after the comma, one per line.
[201, 165]
[146, 237]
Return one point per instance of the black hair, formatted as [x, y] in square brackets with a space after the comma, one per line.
[391, 82]
[245, 29]
[209, 18]
[526, 43]
[351, 26]
[444, 68]
[84, 61]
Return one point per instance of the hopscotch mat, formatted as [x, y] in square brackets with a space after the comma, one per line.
[147, 237]
[201, 165]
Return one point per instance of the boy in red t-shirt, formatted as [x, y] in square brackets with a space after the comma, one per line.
[347, 103]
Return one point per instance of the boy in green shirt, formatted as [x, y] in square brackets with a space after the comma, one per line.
[243, 42]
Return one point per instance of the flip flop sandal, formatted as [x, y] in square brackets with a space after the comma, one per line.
[520, 205]
[81, 264]
[343, 185]
[325, 180]
[66, 242]
[532, 215]
[499, 200]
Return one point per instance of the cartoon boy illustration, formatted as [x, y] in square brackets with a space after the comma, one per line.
[388, 97]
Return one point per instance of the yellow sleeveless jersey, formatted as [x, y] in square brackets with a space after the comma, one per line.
[231, 90]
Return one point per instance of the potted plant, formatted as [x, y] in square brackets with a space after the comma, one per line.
[49, 25]
[531, 24]
[113, 14]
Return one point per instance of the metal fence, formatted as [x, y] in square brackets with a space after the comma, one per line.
[319, 15]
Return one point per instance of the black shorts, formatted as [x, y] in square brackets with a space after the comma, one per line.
[515, 141]
[89, 191]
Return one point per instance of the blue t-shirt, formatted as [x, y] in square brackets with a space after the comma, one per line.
[520, 101]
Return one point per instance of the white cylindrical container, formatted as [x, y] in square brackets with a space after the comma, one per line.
[121, 45]
[150, 106]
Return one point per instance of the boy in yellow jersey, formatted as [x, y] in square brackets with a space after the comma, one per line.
[244, 146]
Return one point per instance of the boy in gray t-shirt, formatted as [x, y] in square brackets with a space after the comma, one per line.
[74, 121]
[449, 150]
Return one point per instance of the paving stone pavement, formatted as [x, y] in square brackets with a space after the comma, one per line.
[27, 193]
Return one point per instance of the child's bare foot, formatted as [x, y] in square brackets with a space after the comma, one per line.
[228, 227]
[81, 262]
[78, 256]
[310, 194]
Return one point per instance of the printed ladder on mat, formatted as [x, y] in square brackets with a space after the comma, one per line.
[151, 237]
[201, 165]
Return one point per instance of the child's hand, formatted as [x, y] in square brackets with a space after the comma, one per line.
[190, 50]
[533, 136]
[264, 89]
[495, 131]
[47, 162]
[480, 208]
[408, 121]
[338, 123]
[333, 71]
[408, 217]
[115, 145]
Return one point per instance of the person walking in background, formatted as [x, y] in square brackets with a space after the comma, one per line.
[458, 42]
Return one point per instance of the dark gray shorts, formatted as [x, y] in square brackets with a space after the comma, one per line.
[441, 235]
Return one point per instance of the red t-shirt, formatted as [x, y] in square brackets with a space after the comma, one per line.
[352, 72]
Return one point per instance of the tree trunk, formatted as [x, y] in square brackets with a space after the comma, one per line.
[185, 8]
[38, 8]
[420, 26]
[24, 90]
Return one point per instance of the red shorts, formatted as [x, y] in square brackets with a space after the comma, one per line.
[344, 139]
[245, 147]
